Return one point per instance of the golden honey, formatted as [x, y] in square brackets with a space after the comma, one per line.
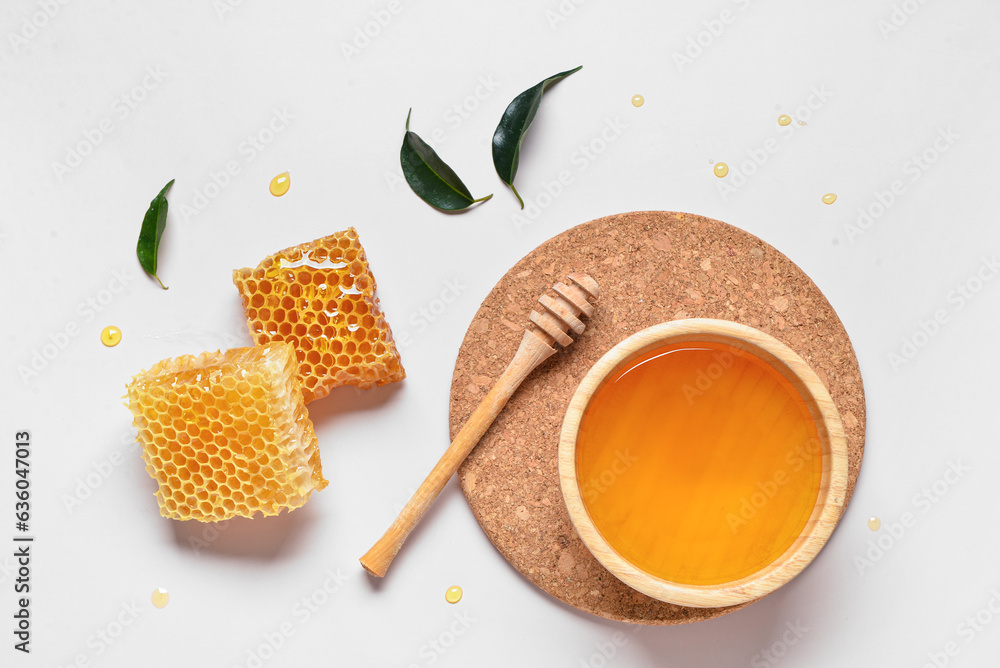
[698, 462]
[721, 169]
[111, 336]
[829, 198]
[160, 598]
[453, 594]
[280, 184]
[320, 297]
[638, 100]
[226, 434]
[784, 119]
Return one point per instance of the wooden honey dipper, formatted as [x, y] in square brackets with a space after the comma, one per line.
[549, 326]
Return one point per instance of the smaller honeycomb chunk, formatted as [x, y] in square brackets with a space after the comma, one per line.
[320, 297]
[226, 434]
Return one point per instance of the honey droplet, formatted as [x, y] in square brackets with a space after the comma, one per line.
[638, 100]
[111, 336]
[453, 595]
[802, 122]
[829, 198]
[160, 598]
[874, 523]
[721, 169]
[784, 119]
[280, 184]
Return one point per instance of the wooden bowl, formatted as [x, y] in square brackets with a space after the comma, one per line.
[833, 447]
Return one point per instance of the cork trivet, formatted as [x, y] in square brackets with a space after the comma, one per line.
[652, 267]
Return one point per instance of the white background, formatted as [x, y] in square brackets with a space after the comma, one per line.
[63, 235]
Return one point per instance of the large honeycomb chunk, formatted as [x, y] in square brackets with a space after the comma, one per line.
[226, 434]
[320, 297]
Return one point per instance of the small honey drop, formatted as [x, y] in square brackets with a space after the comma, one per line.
[721, 169]
[453, 595]
[638, 100]
[111, 336]
[874, 523]
[784, 119]
[280, 184]
[802, 122]
[160, 598]
[829, 198]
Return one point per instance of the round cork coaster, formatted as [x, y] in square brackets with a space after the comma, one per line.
[652, 267]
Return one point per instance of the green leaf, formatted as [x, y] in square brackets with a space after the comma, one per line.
[514, 125]
[152, 229]
[434, 182]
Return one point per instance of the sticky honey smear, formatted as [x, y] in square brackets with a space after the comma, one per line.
[226, 434]
[320, 297]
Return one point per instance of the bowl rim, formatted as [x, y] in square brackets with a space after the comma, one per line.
[833, 483]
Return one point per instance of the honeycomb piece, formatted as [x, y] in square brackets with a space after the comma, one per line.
[320, 297]
[226, 434]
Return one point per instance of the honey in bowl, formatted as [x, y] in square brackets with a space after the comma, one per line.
[698, 462]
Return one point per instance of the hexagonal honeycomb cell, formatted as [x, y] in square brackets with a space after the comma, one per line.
[320, 297]
[226, 434]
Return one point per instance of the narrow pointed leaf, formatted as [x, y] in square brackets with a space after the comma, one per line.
[153, 224]
[514, 125]
[434, 182]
